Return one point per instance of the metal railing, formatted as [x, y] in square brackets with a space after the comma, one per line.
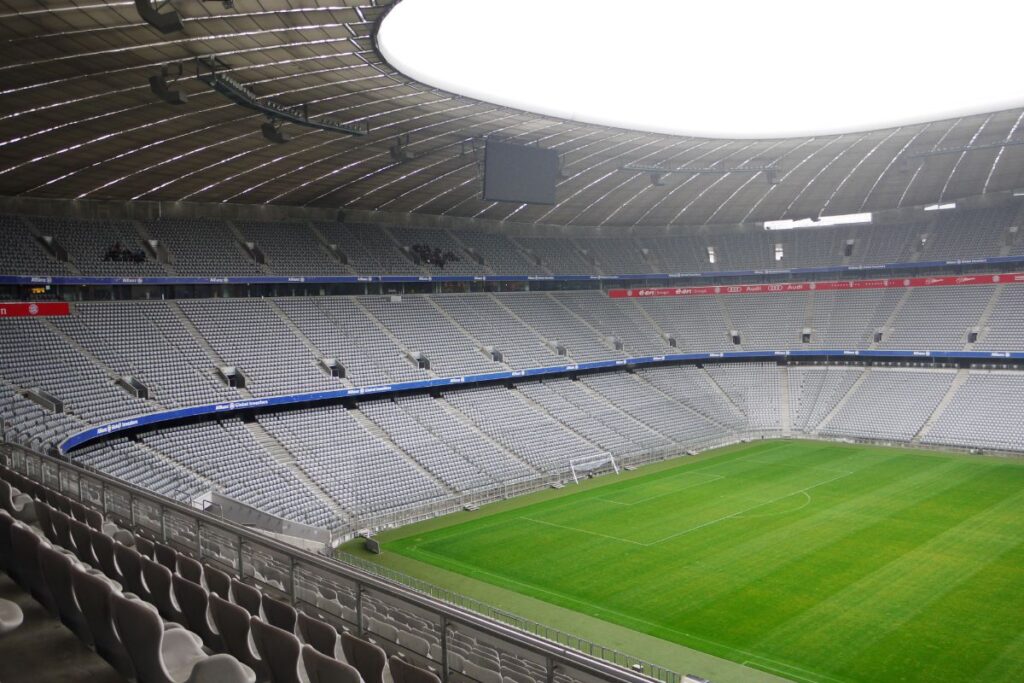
[354, 595]
[400, 517]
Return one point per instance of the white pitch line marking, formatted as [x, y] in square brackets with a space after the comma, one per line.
[714, 477]
[752, 507]
[584, 531]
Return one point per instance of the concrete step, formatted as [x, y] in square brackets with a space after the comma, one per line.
[211, 353]
[471, 426]
[375, 429]
[279, 452]
[601, 335]
[982, 323]
[387, 332]
[541, 409]
[602, 399]
[784, 414]
[958, 381]
[842, 402]
[454, 323]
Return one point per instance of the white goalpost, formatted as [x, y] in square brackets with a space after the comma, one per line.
[583, 466]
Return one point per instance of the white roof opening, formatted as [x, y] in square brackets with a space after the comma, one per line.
[841, 219]
[730, 68]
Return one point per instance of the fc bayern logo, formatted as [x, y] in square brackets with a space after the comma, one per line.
[33, 309]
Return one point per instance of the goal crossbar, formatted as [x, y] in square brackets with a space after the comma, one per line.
[589, 463]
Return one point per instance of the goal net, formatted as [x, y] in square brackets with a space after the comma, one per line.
[581, 467]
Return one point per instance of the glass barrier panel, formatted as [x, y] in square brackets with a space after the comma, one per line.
[401, 627]
[181, 532]
[220, 548]
[330, 597]
[92, 492]
[266, 568]
[148, 518]
[69, 483]
[475, 657]
[51, 475]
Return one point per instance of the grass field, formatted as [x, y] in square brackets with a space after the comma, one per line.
[813, 561]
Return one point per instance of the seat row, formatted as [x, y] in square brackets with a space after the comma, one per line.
[159, 615]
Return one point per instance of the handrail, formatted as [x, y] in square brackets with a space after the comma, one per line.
[298, 575]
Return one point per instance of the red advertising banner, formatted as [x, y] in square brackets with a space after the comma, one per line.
[944, 281]
[34, 309]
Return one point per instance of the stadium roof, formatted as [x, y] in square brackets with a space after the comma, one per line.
[80, 121]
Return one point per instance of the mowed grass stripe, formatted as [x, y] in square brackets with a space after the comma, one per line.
[855, 563]
[881, 603]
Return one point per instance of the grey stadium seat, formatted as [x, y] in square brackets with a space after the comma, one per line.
[279, 650]
[323, 669]
[369, 659]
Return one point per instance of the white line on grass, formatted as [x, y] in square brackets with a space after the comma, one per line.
[693, 528]
[789, 464]
[595, 610]
[788, 669]
[736, 514]
[584, 531]
[784, 512]
[714, 477]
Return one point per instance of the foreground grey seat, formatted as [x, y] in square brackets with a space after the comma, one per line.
[232, 623]
[190, 569]
[6, 552]
[103, 549]
[279, 650]
[318, 634]
[78, 511]
[20, 505]
[11, 616]
[323, 669]
[81, 535]
[94, 518]
[94, 597]
[144, 546]
[57, 568]
[217, 581]
[194, 602]
[404, 672]
[43, 512]
[158, 580]
[61, 529]
[158, 656]
[279, 613]
[25, 565]
[166, 555]
[222, 668]
[246, 596]
[129, 562]
[369, 659]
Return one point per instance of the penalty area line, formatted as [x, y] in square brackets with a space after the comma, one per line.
[787, 669]
[740, 512]
[714, 477]
[584, 531]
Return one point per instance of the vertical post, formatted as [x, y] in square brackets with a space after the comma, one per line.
[444, 648]
[291, 575]
[359, 609]
[241, 563]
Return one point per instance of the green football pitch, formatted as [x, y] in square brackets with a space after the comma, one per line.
[809, 560]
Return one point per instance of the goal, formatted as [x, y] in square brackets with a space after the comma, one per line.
[583, 466]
